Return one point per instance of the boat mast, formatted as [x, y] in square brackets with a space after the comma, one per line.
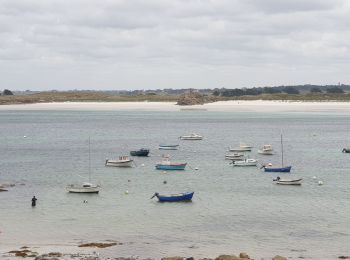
[282, 149]
[89, 162]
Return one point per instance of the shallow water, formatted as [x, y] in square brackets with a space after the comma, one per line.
[233, 209]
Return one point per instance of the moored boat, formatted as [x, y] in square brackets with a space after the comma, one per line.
[84, 188]
[234, 156]
[140, 152]
[168, 146]
[346, 150]
[283, 168]
[245, 162]
[187, 196]
[283, 181]
[122, 161]
[266, 150]
[192, 136]
[240, 149]
[166, 164]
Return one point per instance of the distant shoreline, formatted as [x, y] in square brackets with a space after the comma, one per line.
[224, 106]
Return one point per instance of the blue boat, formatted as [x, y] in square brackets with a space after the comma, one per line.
[171, 166]
[281, 169]
[187, 196]
[278, 169]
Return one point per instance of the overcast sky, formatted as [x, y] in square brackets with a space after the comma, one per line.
[148, 44]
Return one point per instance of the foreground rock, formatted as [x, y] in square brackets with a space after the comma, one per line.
[278, 257]
[100, 245]
[194, 98]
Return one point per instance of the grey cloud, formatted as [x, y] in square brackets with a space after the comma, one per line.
[128, 41]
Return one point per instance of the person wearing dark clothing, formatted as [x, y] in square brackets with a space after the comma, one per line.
[34, 201]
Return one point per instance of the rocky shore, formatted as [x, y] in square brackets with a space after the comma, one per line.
[194, 98]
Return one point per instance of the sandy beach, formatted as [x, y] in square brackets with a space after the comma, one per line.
[229, 106]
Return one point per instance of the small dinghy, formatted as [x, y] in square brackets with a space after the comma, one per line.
[245, 162]
[266, 150]
[234, 156]
[86, 187]
[168, 147]
[346, 150]
[191, 137]
[141, 152]
[241, 148]
[174, 197]
[283, 181]
[122, 161]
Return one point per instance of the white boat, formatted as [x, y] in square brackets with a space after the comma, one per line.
[168, 147]
[266, 150]
[86, 187]
[122, 161]
[234, 156]
[245, 162]
[240, 149]
[283, 181]
[192, 136]
[244, 146]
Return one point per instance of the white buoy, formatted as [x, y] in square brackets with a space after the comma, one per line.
[164, 172]
[24, 136]
[196, 168]
[314, 177]
[320, 183]
[143, 165]
[126, 192]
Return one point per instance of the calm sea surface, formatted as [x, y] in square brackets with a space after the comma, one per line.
[233, 209]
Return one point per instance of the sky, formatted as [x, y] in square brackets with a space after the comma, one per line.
[151, 44]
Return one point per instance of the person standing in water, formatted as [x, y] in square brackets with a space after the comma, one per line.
[34, 201]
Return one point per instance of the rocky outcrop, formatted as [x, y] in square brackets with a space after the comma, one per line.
[244, 256]
[194, 98]
[278, 257]
[227, 257]
[99, 245]
[173, 258]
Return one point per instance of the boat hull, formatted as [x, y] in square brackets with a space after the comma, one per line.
[248, 162]
[119, 164]
[176, 198]
[265, 152]
[346, 150]
[168, 147]
[143, 152]
[178, 167]
[289, 182]
[282, 169]
[83, 190]
[240, 149]
[190, 138]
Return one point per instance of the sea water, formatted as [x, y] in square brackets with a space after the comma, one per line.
[233, 209]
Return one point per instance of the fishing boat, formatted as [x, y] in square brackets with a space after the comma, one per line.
[174, 197]
[140, 152]
[234, 156]
[245, 162]
[166, 164]
[266, 150]
[85, 187]
[270, 168]
[192, 136]
[283, 181]
[122, 161]
[346, 150]
[168, 147]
